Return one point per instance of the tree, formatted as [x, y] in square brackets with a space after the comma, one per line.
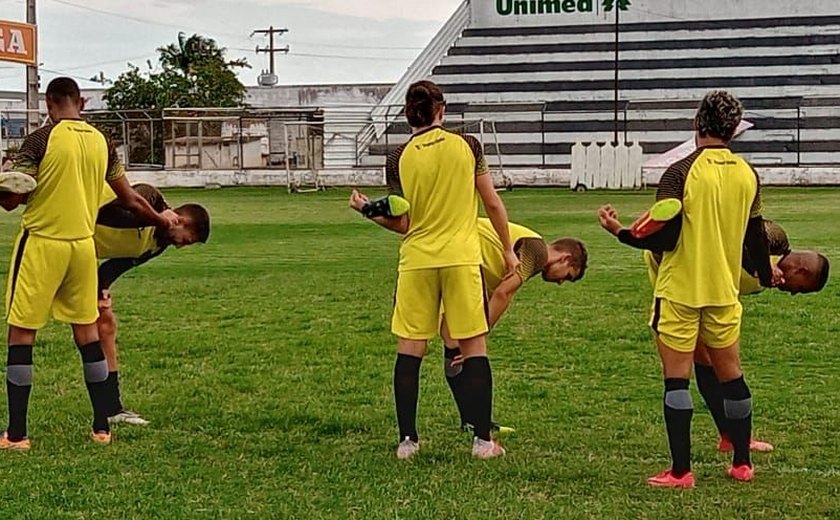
[194, 73]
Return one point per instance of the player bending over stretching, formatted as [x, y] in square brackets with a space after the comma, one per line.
[802, 272]
[53, 267]
[125, 240]
[441, 175]
[697, 288]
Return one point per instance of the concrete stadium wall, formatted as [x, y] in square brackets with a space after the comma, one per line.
[546, 78]
[289, 95]
[375, 177]
[503, 13]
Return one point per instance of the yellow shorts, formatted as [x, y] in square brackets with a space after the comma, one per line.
[51, 276]
[679, 327]
[421, 292]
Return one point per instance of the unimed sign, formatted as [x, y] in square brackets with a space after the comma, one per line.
[18, 42]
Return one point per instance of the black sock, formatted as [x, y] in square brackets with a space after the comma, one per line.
[406, 392]
[478, 389]
[678, 411]
[455, 379]
[737, 402]
[712, 392]
[18, 388]
[96, 380]
[113, 385]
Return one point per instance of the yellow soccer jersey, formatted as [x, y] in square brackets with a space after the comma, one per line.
[114, 242]
[120, 233]
[720, 193]
[747, 284]
[435, 171]
[528, 245]
[71, 161]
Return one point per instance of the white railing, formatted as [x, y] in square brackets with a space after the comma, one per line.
[419, 69]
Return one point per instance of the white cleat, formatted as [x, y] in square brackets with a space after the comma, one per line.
[127, 417]
[407, 449]
[487, 449]
[15, 182]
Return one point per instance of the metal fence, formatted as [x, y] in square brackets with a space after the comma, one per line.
[790, 132]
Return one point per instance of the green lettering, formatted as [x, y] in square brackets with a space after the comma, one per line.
[534, 7]
[549, 6]
[568, 6]
[520, 6]
[584, 6]
[504, 7]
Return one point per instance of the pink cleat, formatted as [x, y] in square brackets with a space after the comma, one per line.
[667, 480]
[487, 449]
[725, 445]
[743, 473]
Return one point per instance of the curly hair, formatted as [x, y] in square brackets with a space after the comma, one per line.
[719, 115]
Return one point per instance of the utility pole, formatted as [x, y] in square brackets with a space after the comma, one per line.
[32, 115]
[617, 10]
[270, 79]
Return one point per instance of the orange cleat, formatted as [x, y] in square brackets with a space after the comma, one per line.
[668, 480]
[725, 445]
[743, 473]
[21, 445]
[103, 438]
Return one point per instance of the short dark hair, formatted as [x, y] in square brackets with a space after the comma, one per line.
[61, 90]
[577, 251]
[199, 219]
[719, 115]
[422, 100]
[824, 268]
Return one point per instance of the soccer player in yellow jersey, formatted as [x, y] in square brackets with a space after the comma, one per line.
[442, 175]
[802, 271]
[696, 294]
[125, 240]
[53, 266]
[563, 260]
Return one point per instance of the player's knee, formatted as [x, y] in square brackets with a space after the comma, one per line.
[93, 360]
[737, 399]
[19, 368]
[677, 395]
[452, 366]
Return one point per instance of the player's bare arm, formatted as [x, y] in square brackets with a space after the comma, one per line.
[382, 216]
[497, 213]
[502, 298]
[136, 203]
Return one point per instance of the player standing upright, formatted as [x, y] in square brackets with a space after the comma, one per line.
[53, 266]
[697, 287]
[442, 175]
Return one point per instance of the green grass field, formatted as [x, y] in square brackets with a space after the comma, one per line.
[264, 361]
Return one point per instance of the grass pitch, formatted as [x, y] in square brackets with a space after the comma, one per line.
[264, 359]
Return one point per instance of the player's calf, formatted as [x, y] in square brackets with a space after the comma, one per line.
[96, 376]
[18, 388]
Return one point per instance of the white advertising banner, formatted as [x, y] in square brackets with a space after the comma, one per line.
[506, 13]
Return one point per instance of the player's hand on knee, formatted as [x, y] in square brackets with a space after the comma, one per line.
[105, 303]
[778, 276]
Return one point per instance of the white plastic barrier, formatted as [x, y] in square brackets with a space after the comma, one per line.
[603, 165]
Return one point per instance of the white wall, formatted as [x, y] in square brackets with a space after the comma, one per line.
[486, 13]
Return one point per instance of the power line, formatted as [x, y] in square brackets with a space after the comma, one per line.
[294, 54]
[231, 35]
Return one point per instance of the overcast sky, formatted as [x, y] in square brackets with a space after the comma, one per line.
[332, 41]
